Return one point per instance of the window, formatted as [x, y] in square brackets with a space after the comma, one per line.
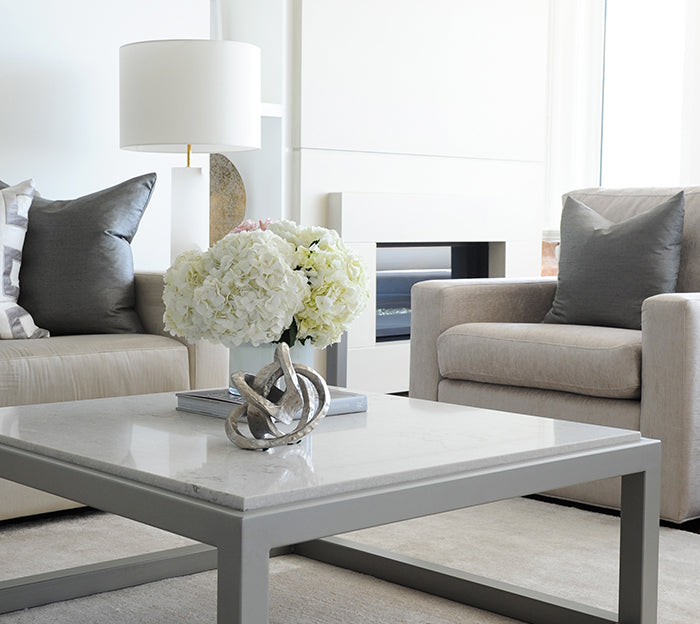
[643, 96]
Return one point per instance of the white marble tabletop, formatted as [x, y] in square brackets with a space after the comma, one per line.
[397, 440]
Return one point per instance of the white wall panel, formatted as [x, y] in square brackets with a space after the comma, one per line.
[445, 77]
[516, 187]
[260, 22]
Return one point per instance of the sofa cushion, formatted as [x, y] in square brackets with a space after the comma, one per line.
[588, 360]
[15, 321]
[607, 269]
[77, 272]
[67, 368]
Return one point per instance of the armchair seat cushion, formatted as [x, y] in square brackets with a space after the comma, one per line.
[582, 359]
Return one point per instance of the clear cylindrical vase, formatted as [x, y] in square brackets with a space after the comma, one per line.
[251, 359]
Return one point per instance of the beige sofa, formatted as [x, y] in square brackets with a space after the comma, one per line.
[482, 342]
[66, 368]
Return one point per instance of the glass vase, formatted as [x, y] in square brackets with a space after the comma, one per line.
[251, 359]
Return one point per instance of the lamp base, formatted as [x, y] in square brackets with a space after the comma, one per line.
[189, 217]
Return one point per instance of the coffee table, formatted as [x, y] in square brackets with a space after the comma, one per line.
[140, 458]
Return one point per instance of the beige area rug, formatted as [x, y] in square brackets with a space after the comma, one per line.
[560, 550]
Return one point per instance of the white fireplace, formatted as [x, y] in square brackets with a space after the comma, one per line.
[365, 220]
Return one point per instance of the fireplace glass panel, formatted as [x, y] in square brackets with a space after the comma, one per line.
[400, 266]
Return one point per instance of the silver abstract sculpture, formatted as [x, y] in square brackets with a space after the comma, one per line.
[266, 406]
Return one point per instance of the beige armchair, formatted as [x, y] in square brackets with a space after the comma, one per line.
[482, 342]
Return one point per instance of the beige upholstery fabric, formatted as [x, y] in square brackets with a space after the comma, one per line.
[437, 305]
[208, 363]
[671, 396]
[66, 368]
[593, 361]
[561, 405]
[17, 501]
[669, 408]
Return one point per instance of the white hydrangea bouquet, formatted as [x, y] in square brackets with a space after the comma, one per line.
[266, 282]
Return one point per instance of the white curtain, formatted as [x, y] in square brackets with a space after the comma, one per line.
[576, 45]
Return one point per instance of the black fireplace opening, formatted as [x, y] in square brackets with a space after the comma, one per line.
[401, 265]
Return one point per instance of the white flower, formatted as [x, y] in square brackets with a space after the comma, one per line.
[254, 285]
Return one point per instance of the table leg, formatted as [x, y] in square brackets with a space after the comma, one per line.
[639, 548]
[242, 584]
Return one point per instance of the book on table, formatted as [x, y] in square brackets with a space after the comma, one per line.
[219, 402]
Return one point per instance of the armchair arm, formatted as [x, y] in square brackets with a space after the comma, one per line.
[437, 305]
[208, 362]
[670, 409]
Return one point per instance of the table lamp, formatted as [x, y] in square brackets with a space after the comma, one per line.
[187, 96]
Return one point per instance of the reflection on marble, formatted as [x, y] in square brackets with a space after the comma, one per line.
[153, 450]
[397, 440]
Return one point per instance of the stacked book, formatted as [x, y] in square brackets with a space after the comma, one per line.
[220, 402]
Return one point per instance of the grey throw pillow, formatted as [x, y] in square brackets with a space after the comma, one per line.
[607, 269]
[77, 272]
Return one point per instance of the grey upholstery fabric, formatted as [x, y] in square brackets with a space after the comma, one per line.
[620, 204]
[77, 273]
[588, 360]
[606, 268]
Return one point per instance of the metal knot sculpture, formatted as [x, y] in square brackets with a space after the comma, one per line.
[305, 396]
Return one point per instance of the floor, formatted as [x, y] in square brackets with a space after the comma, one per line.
[692, 526]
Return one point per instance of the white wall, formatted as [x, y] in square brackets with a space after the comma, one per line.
[445, 77]
[59, 104]
[262, 23]
[418, 96]
[447, 96]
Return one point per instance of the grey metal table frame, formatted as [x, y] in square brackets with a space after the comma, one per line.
[239, 543]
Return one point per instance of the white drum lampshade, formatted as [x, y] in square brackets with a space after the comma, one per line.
[180, 95]
[204, 93]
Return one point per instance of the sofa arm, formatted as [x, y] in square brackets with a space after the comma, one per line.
[437, 305]
[149, 301]
[670, 409]
[208, 362]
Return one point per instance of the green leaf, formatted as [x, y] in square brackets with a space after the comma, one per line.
[289, 335]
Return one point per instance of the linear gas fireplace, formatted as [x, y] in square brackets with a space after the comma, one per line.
[401, 265]
[404, 238]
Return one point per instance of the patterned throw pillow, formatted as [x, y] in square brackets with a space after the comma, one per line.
[15, 321]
